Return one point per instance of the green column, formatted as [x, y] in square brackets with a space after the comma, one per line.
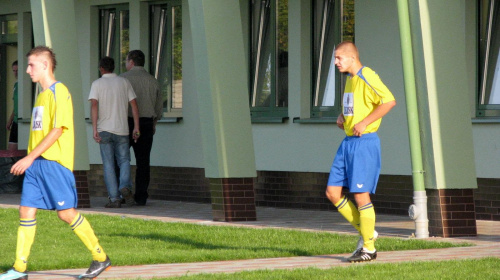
[54, 26]
[221, 75]
[442, 72]
[448, 145]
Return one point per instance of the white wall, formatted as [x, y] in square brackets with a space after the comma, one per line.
[377, 36]
[291, 146]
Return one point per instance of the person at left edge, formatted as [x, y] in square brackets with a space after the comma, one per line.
[49, 182]
[12, 122]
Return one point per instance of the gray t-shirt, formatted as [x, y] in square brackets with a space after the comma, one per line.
[149, 99]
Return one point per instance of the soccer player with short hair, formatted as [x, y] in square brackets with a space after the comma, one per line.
[357, 163]
[49, 182]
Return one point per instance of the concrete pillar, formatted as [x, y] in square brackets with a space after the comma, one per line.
[54, 25]
[221, 74]
[445, 120]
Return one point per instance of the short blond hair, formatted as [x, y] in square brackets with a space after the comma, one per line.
[348, 47]
[44, 50]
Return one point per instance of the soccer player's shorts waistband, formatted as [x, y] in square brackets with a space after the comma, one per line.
[371, 135]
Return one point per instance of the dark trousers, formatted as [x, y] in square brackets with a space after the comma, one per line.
[142, 152]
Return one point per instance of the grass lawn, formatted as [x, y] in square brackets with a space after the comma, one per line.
[131, 241]
[487, 268]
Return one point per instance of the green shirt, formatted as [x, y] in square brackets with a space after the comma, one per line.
[14, 97]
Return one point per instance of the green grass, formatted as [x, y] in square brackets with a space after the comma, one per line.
[487, 268]
[131, 241]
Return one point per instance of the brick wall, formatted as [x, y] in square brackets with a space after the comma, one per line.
[233, 199]
[306, 190]
[82, 189]
[451, 212]
[302, 190]
[394, 194]
[487, 199]
[178, 184]
[167, 183]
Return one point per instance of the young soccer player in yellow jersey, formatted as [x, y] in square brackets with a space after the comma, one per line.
[357, 163]
[49, 182]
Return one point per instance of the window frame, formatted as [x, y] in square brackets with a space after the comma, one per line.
[272, 112]
[5, 36]
[486, 14]
[110, 36]
[161, 40]
[342, 32]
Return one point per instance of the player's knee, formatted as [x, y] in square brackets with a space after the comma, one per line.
[67, 215]
[332, 194]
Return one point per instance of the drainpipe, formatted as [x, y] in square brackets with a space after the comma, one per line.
[417, 211]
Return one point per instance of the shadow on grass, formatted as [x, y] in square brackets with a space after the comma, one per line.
[208, 246]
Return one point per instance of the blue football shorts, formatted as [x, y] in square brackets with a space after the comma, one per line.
[49, 185]
[357, 164]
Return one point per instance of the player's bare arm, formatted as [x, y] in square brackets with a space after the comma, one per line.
[340, 121]
[378, 113]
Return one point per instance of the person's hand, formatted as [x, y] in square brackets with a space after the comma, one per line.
[358, 129]
[340, 121]
[136, 134]
[20, 166]
[97, 138]
[9, 125]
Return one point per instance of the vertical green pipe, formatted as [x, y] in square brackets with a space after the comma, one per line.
[417, 211]
[411, 96]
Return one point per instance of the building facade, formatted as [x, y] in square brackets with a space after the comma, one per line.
[251, 96]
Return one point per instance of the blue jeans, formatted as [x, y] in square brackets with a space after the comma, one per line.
[115, 148]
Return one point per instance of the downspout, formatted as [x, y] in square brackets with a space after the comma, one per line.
[417, 211]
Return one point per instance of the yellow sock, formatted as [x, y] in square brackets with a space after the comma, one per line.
[84, 231]
[349, 211]
[25, 238]
[367, 220]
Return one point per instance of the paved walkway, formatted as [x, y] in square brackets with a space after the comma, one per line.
[487, 242]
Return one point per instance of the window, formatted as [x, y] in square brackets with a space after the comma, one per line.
[333, 22]
[8, 29]
[489, 46]
[166, 54]
[114, 35]
[269, 58]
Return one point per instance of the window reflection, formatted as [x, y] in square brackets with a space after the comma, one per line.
[114, 35]
[107, 31]
[333, 22]
[491, 71]
[8, 29]
[166, 43]
[325, 31]
[269, 54]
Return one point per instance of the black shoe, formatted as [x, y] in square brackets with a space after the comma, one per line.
[113, 204]
[363, 256]
[140, 202]
[127, 196]
[96, 268]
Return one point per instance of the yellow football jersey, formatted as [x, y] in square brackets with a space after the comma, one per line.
[362, 94]
[54, 109]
